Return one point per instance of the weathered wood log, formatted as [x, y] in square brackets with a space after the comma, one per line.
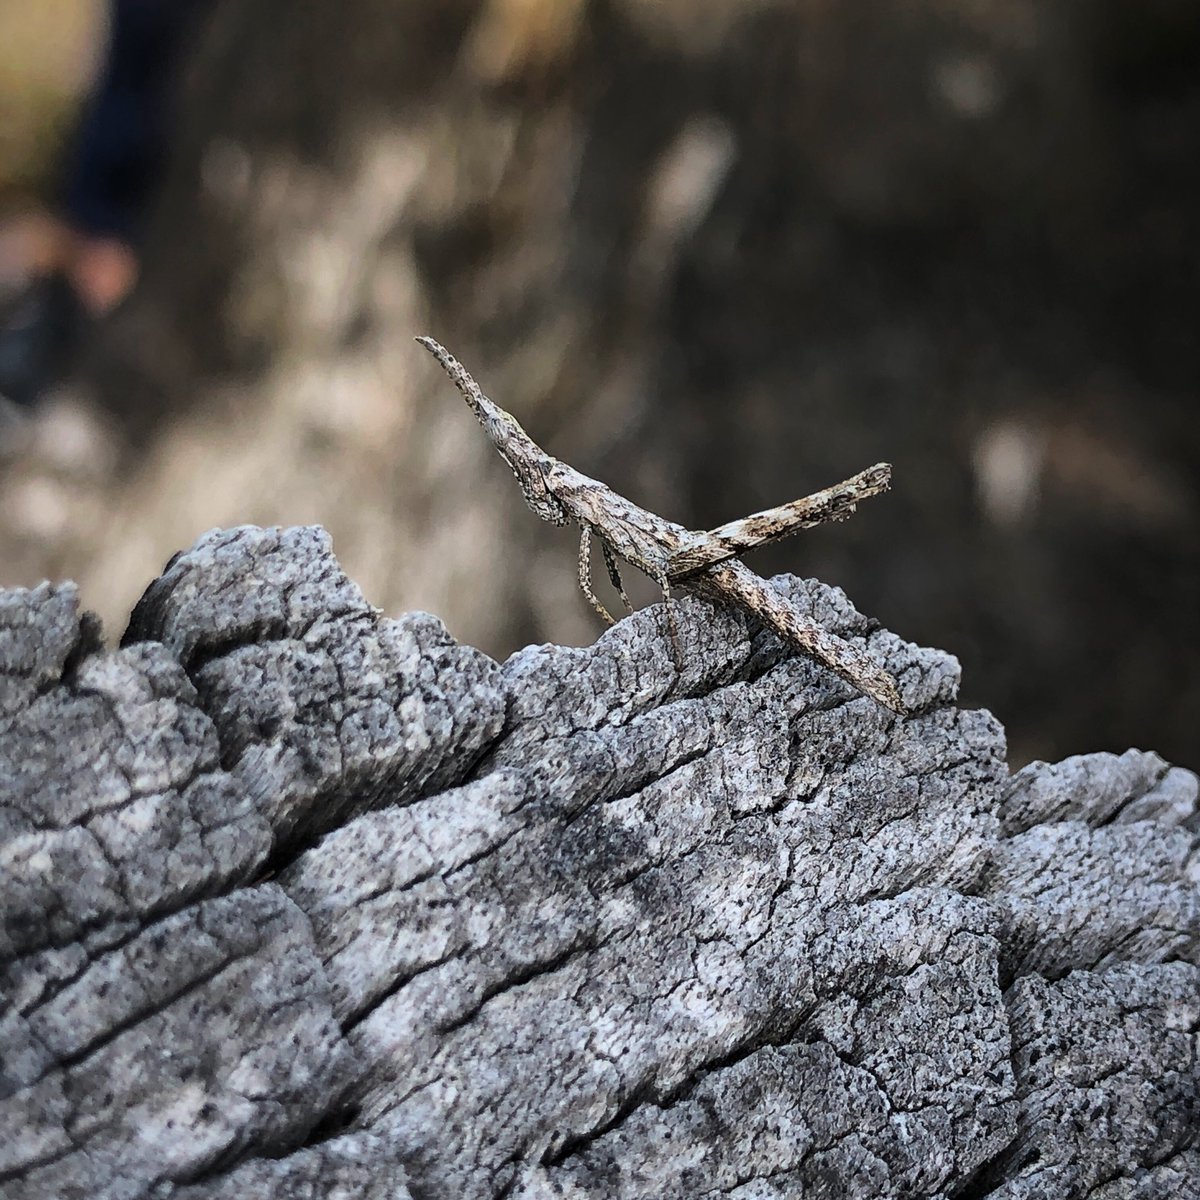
[299, 900]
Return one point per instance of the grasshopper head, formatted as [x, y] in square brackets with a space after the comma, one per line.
[529, 463]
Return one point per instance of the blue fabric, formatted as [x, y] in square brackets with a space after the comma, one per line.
[121, 142]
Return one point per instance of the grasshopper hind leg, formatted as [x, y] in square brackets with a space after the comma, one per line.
[664, 582]
[614, 575]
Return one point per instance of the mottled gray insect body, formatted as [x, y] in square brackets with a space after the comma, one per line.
[639, 537]
[668, 553]
[836, 503]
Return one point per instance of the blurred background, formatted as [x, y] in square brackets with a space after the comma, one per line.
[718, 253]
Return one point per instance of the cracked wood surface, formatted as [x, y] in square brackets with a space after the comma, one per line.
[299, 900]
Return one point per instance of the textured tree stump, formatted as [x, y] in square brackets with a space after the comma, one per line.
[299, 900]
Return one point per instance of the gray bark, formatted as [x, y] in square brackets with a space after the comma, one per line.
[299, 900]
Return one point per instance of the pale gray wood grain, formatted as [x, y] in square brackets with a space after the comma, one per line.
[302, 901]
